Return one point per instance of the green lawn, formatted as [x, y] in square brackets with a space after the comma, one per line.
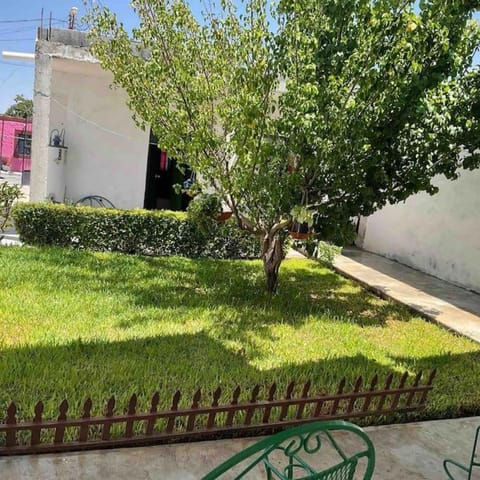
[78, 324]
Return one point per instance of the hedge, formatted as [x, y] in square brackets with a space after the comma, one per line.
[144, 232]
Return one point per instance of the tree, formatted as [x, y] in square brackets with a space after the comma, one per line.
[9, 195]
[22, 108]
[329, 112]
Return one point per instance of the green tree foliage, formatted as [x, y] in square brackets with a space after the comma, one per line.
[336, 109]
[22, 108]
[9, 195]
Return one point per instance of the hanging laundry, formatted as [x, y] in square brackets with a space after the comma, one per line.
[164, 161]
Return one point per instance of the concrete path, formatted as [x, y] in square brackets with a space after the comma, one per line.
[15, 178]
[414, 451]
[442, 302]
[10, 237]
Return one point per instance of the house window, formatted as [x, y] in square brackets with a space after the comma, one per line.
[24, 144]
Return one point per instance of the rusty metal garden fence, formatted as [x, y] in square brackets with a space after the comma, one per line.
[234, 418]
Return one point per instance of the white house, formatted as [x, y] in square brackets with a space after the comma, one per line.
[104, 153]
[439, 235]
[108, 155]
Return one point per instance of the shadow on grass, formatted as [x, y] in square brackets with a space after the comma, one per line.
[305, 289]
[79, 369]
[187, 362]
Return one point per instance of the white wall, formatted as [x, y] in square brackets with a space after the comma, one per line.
[107, 152]
[439, 235]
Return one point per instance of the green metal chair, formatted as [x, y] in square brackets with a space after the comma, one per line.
[306, 440]
[464, 468]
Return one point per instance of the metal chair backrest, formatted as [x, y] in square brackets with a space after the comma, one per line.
[283, 455]
[464, 468]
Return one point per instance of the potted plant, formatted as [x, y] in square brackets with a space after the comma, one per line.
[223, 216]
[300, 227]
[300, 231]
[205, 208]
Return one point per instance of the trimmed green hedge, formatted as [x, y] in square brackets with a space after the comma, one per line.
[157, 233]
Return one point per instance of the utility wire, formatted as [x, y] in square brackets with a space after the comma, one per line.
[16, 64]
[95, 124]
[17, 39]
[21, 21]
[8, 77]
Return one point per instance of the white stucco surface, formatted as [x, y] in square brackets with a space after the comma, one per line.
[439, 235]
[107, 153]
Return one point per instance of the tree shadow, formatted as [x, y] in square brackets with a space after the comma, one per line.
[457, 391]
[232, 293]
[167, 363]
[306, 289]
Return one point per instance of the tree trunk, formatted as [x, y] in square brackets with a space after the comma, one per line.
[272, 256]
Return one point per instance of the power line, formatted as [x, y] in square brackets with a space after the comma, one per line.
[17, 64]
[9, 29]
[17, 30]
[17, 39]
[8, 77]
[21, 21]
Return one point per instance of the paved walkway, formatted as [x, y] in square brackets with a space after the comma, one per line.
[413, 450]
[442, 302]
[15, 178]
[10, 236]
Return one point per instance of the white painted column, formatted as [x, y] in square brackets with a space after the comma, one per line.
[40, 125]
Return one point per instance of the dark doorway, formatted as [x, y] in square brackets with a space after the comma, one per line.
[162, 175]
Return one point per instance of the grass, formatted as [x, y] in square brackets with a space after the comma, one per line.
[79, 324]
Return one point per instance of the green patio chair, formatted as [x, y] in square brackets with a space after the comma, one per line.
[468, 469]
[306, 440]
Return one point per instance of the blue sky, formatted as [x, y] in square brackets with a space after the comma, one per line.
[15, 35]
[18, 22]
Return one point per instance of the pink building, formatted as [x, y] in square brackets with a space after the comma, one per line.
[15, 143]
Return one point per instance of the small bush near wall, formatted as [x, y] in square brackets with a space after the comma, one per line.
[158, 233]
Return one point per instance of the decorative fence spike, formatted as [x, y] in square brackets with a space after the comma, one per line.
[397, 396]
[11, 420]
[60, 430]
[268, 409]
[430, 380]
[83, 432]
[411, 395]
[301, 407]
[36, 431]
[153, 409]
[356, 389]
[237, 417]
[336, 402]
[132, 405]
[251, 408]
[288, 396]
[368, 398]
[386, 388]
[318, 408]
[211, 415]
[173, 408]
[231, 412]
[108, 422]
[192, 416]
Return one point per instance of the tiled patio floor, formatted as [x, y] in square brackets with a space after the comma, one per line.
[413, 451]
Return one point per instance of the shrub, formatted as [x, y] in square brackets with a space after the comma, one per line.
[326, 252]
[203, 209]
[9, 194]
[157, 233]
